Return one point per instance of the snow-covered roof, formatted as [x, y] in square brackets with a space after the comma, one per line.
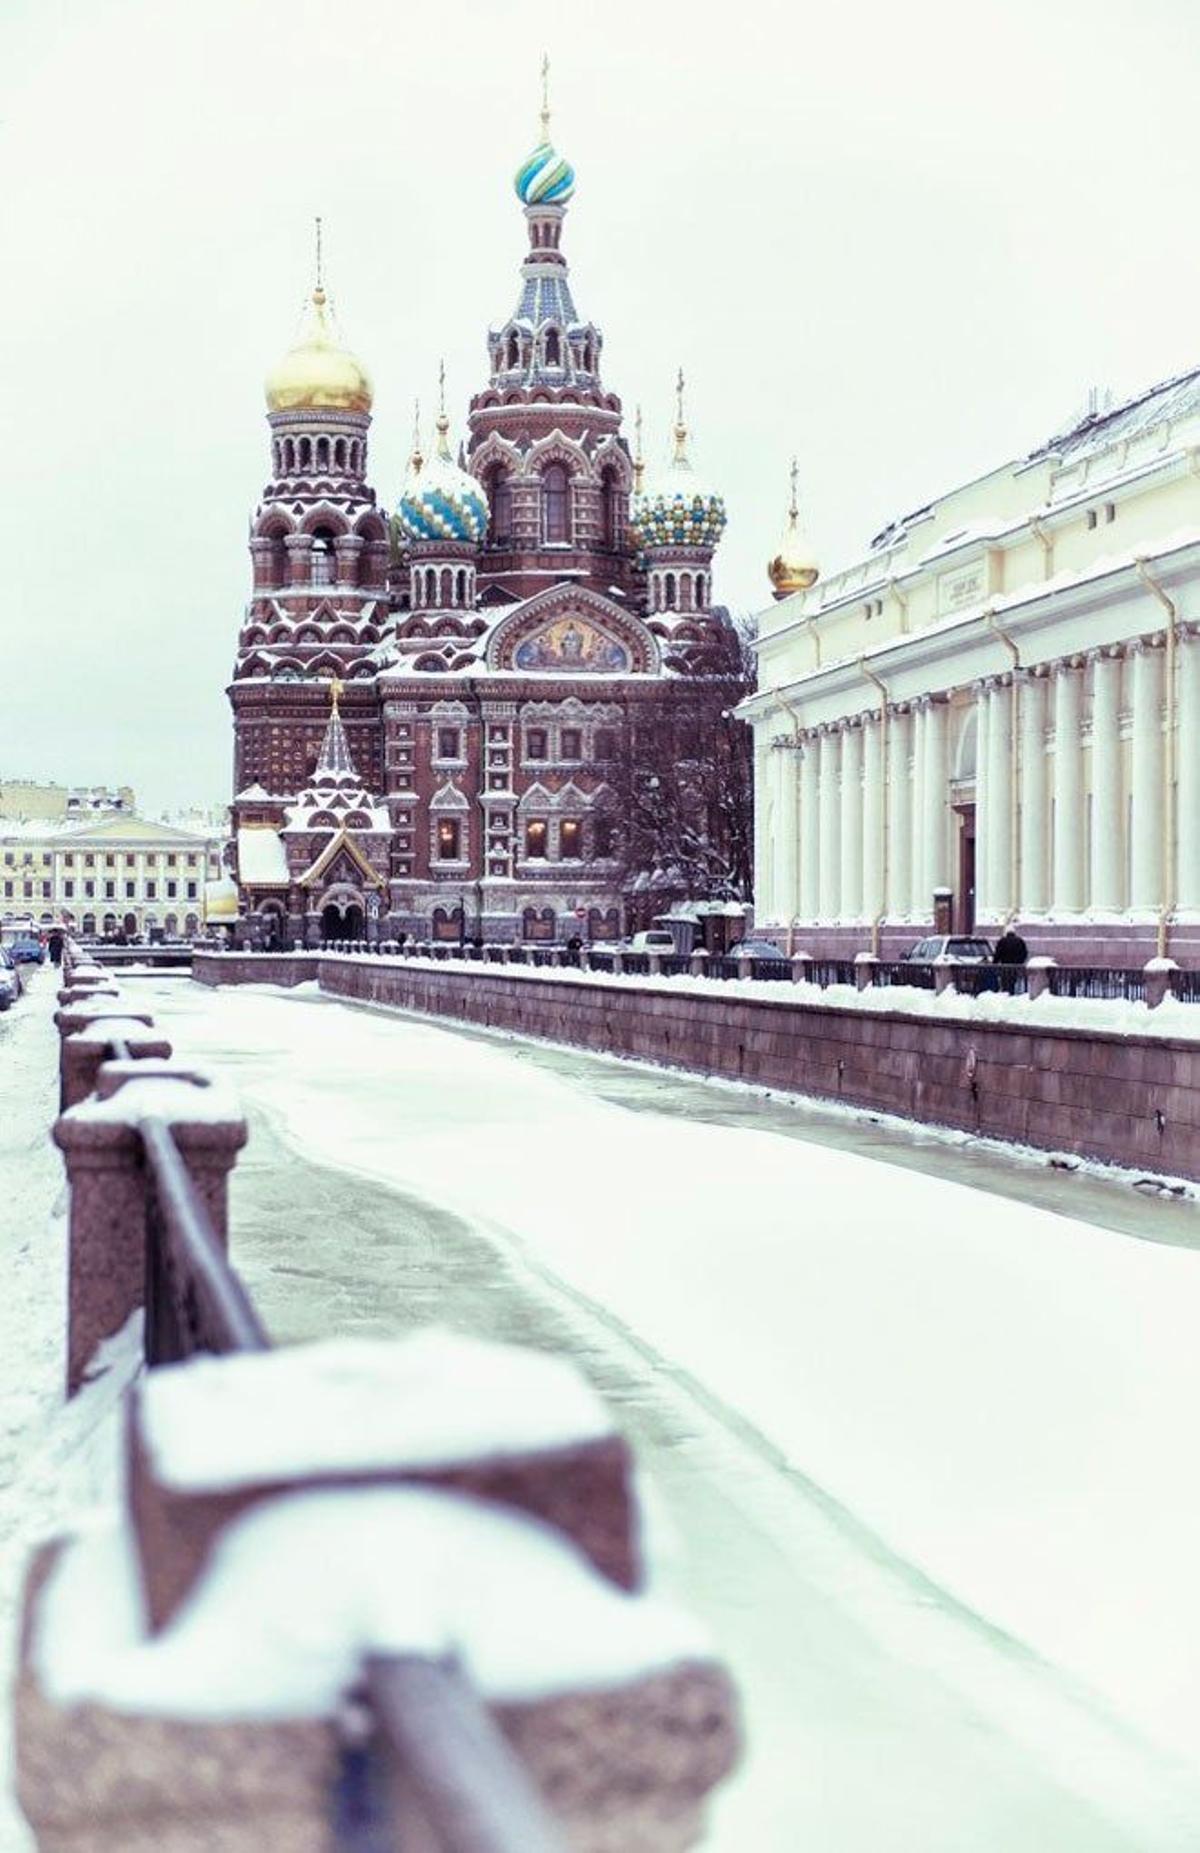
[262, 860]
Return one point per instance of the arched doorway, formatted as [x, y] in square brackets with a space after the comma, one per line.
[129, 926]
[341, 920]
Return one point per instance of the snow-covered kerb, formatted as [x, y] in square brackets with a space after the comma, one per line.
[1109, 1080]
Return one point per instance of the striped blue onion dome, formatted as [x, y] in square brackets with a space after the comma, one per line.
[544, 178]
[441, 502]
[677, 511]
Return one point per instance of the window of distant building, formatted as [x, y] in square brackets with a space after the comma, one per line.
[130, 890]
[151, 891]
[535, 837]
[110, 862]
[110, 890]
[570, 743]
[535, 743]
[69, 890]
[570, 839]
[447, 839]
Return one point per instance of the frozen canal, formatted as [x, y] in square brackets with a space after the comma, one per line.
[918, 1448]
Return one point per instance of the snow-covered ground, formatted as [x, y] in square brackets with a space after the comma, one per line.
[964, 1422]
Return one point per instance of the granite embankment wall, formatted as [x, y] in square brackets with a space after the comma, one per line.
[1126, 1100]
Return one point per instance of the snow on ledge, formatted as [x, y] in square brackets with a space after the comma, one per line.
[300, 1590]
[350, 1405]
[1171, 1021]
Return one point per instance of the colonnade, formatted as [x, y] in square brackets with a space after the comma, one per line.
[1072, 802]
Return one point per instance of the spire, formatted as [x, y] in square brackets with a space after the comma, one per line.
[443, 423]
[319, 285]
[639, 462]
[681, 455]
[794, 505]
[335, 762]
[416, 460]
[545, 117]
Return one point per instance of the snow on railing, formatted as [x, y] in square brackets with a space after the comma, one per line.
[149, 1144]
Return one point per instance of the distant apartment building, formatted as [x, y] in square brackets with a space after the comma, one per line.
[26, 798]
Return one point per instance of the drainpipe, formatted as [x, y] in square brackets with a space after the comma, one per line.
[902, 601]
[1013, 773]
[1168, 807]
[1047, 541]
[877, 922]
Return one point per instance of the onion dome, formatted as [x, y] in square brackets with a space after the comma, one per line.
[794, 567]
[677, 509]
[544, 178]
[318, 373]
[439, 501]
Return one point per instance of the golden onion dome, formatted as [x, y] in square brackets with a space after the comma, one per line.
[318, 372]
[794, 567]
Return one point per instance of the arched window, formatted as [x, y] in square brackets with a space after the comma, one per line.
[553, 348]
[277, 573]
[669, 592]
[289, 456]
[610, 509]
[500, 498]
[305, 453]
[556, 503]
[514, 350]
[322, 453]
[339, 454]
[445, 598]
[323, 558]
[461, 588]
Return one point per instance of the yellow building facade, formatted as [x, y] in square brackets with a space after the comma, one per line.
[122, 874]
[993, 716]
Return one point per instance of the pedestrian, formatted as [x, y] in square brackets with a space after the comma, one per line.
[1010, 952]
[1010, 947]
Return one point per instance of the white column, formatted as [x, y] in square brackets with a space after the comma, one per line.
[1146, 776]
[852, 825]
[763, 869]
[827, 894]
[899, 800]
[1108, 799]
[1068, 791]
[1187, 774]
[918, 894]
[1035, 796]
[785, 828]
[809, 830]
[983, 802]
[935, 798]
[998, 844]
[872, 895]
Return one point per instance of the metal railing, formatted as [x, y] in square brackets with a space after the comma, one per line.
[1130, 983]
[429, 1722]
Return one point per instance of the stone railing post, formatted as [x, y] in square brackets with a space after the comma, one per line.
[76, 1016]
[109, 1187]
[698, 963]
[87, 1049]
[1159, 973]
[654, 964]
[618, 961]
[943, 976]
[1037, 976]
[745, 965]
[865, 967]
[800, 964]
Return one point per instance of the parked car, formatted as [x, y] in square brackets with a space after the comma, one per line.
[655, 939]
[27, 949]
[950, 948]
[10, 979]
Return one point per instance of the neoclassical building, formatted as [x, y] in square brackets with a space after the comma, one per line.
[106, 874]
[996, 710]
[429, 705]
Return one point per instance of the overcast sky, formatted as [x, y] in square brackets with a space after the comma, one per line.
[901, 241]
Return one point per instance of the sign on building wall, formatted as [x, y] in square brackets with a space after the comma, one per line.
[965, 585]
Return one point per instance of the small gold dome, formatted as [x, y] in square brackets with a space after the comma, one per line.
[794, 567]
[318, 371]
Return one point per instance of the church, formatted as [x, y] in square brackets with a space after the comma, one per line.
[435, 708]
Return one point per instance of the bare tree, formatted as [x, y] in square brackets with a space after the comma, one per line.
[681, 797]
